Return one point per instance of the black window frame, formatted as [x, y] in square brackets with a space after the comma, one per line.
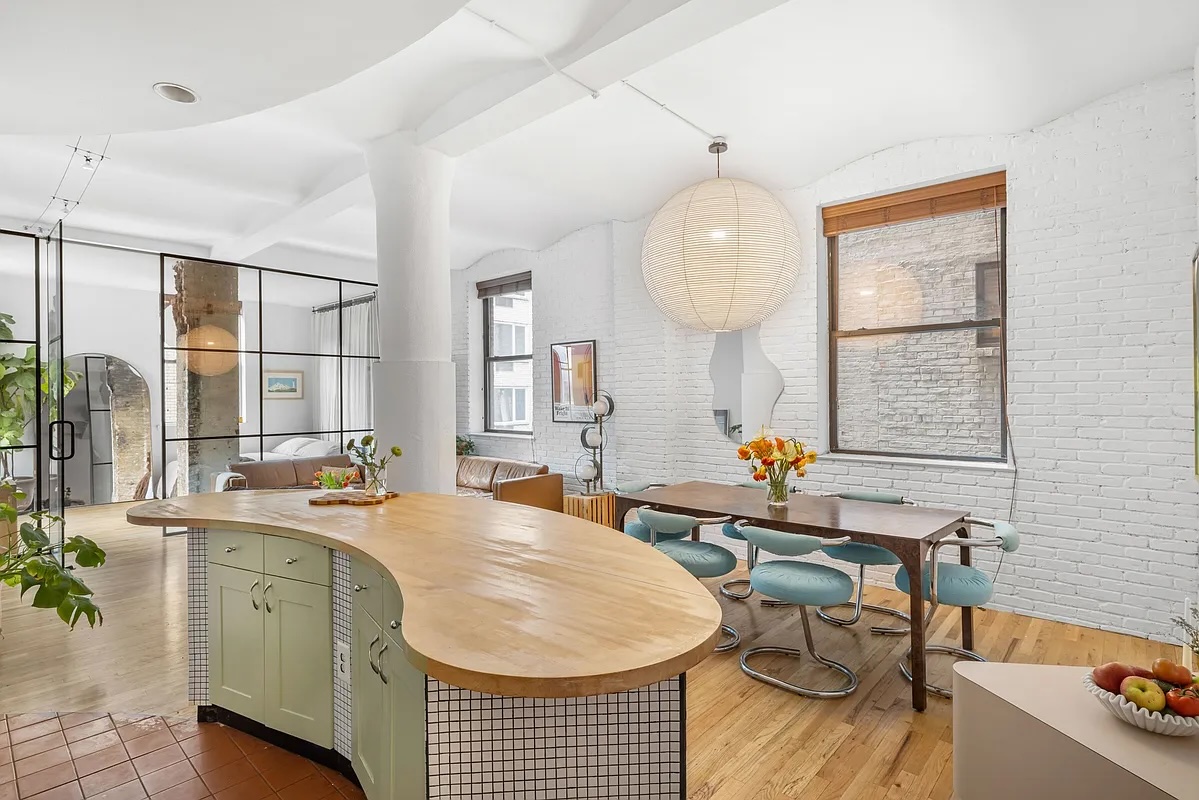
[999, 324]
[489, 358]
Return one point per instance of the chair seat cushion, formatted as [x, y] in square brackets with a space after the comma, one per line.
[802, 583]
[859, 553]
[639, 530]
[730, 530]
[701, 559]
[957, 585]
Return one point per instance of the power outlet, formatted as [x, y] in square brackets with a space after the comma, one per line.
[341, 662]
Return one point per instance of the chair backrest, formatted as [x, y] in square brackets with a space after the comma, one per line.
[661, 522]
[1010, 537]
[635, 485]
[779, 543]
[871, 497]
[754, 484]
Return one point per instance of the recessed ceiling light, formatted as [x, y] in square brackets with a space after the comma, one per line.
[175, 93]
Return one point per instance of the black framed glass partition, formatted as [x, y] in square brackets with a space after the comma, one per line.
[260, 364]
[21, 408]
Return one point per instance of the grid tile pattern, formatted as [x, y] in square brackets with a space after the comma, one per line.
[343, 616]
[610, 746]
[48, 756]
[197, 616]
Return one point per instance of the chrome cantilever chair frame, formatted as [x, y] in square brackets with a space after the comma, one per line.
[946, 649]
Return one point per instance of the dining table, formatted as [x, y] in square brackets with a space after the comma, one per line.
[907, 531]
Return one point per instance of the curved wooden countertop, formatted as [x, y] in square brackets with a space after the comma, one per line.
[498, 598]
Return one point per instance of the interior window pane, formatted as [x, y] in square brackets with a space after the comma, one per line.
[17, 266]
[510, 390]
[927, 271]
[511, 323]
[933, 393]
[299, 314]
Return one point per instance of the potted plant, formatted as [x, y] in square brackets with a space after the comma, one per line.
[23, 385]
[464, 445]
[29, 559]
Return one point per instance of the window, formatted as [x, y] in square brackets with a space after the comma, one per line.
[508, 353]
[916, 322]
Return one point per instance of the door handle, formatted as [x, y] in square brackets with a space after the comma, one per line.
[56, 440]
[254, 602]
[266, 602]
[290, 560]
[382, 676]
[230, 549]
[395, 623]
[370, 647]
[360, 587]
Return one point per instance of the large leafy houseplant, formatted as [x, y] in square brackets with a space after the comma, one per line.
[28, 560]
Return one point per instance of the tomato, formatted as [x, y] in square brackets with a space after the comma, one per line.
[1166, 670]
[1184, 702]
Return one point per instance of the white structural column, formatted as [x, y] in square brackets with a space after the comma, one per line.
[414, 379]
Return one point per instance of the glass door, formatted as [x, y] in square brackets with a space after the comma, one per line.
[60, 433]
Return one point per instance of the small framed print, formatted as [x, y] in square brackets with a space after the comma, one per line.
[572, 371]
[283, 385]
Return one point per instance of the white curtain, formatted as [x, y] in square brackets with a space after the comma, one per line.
[360, 327]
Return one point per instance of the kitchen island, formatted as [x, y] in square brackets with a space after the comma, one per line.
[492, 649]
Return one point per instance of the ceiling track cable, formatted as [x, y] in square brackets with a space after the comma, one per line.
[69, 205]
[709, 136]
[103, 154]
[54, 195]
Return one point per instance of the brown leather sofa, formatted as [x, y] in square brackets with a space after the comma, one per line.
[289, 473]
[510, 481]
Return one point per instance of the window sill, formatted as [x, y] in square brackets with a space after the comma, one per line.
[937, 463]
[499, 435]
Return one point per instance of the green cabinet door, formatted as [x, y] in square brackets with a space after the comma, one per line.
[406, 689]
[299, 659]
[371, 712]
[235, 642]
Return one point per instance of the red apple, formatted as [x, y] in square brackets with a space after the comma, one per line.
[1141, 672]
[1111, 674]
[1143, 693]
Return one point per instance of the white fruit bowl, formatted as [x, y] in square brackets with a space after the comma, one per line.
[1154, 722]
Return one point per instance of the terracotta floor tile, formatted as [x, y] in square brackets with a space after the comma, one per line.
[92, 727]
[287, 774]
[101, 759]
[149, 743]
[144, 727]
[273, 758]
[3, 738]
[246, 742]
[224, 753]
[159, 759]
[352, 792]
[128, 719]
[17, 721]
[8, 791]
[231, 774]
[39, 745]
[189, 790]
[67, 791]
[314, 787]
[105, 779]
[7, 773]
[43, 760]
[184, 729]
[207, 738]
[126, 791]
[167, 777]
[79, 717]
[93, 744]
[253, 789]
[34, 731]
[47, 779]
[6, 755]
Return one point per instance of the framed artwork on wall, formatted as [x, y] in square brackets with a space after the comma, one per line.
[572, 381]
[283, 385]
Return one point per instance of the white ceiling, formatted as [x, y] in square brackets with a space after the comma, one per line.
[799, 88]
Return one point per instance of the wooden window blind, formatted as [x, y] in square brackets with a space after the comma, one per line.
[506, 285]
[954, 197]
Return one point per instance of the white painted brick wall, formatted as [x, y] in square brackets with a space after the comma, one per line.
[1101, 227]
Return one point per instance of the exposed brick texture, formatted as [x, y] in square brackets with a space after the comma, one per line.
[1101, 227]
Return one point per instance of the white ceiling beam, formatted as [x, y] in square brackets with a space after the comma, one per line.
[638, 36]
[340, 189]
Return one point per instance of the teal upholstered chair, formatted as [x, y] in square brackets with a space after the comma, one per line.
[799, 583]
[667, 534]
[957, 585]
[751, 557]
[633, 528]
[866, 555]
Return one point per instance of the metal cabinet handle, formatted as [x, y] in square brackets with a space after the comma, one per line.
[253, 602]
[395, 623]
[290, 560]
[230, 549]
[382, 676]
[266, 602]
[360, 587]
[369, 648]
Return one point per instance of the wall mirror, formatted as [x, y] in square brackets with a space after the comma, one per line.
[572, 371]
[110, 409]
[745, 384]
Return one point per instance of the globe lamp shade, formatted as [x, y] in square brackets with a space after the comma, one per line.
[207, 350]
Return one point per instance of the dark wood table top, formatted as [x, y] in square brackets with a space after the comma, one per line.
[818, 516]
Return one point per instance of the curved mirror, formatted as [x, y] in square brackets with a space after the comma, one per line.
[745, 384]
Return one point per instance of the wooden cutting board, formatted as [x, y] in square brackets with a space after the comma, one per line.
[351, 499]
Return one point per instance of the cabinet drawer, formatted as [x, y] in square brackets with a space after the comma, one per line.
[292, 558]
[367, 587]
[393, 609]
[235, 549]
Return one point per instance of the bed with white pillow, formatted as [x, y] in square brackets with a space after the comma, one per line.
[296, 447]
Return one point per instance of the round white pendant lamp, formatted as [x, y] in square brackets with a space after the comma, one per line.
[207, 350]
[721, 255]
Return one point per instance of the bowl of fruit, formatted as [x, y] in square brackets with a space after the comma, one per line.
[1164, 699]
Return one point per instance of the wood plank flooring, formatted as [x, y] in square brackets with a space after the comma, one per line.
[744, 739]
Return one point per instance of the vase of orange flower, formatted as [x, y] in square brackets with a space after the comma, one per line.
[772, 458]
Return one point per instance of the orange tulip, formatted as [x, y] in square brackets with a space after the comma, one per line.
[768, 461]
[743, 453]
[778, 442]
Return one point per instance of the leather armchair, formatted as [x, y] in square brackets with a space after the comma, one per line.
[540, 491]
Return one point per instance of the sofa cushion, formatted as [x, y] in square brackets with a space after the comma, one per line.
[476, 472]
[318, 448]
[306, 468]
[267, 474]
[461, 492]
[518, 469]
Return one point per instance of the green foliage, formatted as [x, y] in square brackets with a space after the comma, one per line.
[24, 384]
[1191, 629]
[366, 453]
[464, 445]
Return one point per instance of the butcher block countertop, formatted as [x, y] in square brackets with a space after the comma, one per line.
[498, 598]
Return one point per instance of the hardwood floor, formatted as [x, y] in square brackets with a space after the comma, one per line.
[744, 739]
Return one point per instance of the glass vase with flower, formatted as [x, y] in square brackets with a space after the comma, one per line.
[374, 466]
[772, 459]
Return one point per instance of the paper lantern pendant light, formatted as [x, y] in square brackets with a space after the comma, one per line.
[721, 255]
[207, 350]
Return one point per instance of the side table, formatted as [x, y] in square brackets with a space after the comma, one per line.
[600, 508]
